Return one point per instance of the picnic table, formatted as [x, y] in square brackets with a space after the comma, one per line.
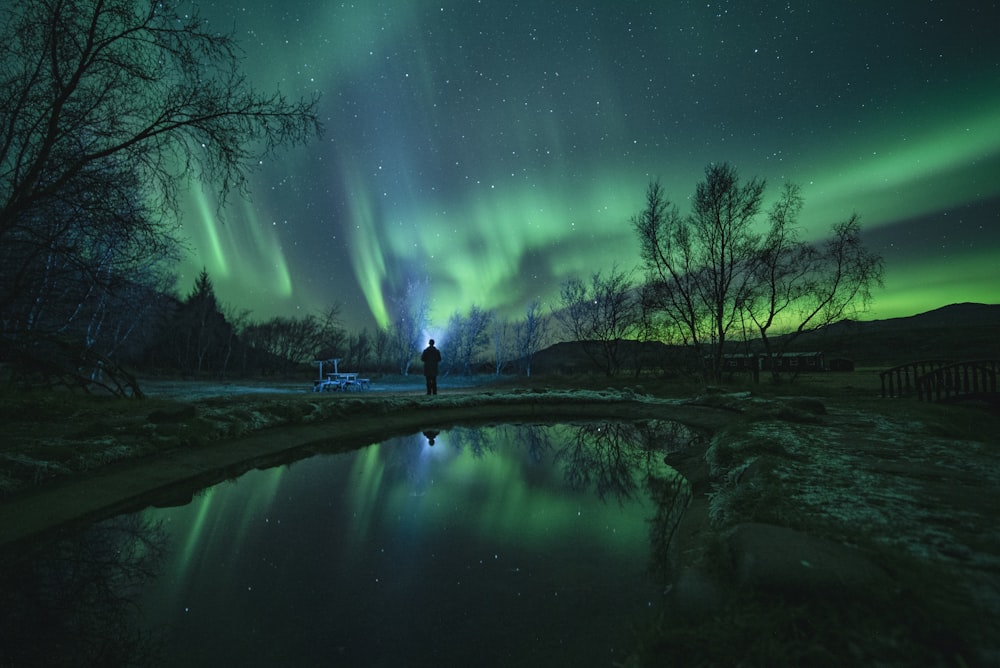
[342, 381]
[338, 381]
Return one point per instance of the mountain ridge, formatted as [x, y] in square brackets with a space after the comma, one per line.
[948, 315]
[964, 330]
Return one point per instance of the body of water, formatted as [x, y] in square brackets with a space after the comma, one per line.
[502, 545]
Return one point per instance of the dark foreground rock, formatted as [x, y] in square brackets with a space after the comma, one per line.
[774, 557]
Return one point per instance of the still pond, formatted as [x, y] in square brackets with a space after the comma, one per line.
[499, 545]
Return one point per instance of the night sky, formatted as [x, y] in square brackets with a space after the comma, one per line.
[495, 148]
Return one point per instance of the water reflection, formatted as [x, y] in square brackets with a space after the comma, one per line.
[73, 605]
[499, 545]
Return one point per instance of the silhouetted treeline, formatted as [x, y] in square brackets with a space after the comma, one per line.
[195, 337]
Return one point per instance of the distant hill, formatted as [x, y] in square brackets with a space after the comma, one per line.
[954, 315]
[959, 331]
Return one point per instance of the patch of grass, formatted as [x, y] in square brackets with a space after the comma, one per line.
[172, 414]
[94, 429]
[916, 617]
[751, 493]
[756, 628]
[20, 467]
[802, 410]
[856, 453]
[734, 446]
[962, 422]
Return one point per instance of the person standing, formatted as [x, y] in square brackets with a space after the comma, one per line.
[431, 357]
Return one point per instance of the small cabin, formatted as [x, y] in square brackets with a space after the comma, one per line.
[794, 362]
[740, 362]
[786, 363]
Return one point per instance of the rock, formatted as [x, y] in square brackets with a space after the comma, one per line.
[814, 406]
[695, 595]
[773, 557]
[175, 415]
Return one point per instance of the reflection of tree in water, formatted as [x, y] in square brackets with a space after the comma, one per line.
[537, 441]
[671, 495]
[476, 441]
[606, 457]
[74, 604]
[619, 458]
[665, 436]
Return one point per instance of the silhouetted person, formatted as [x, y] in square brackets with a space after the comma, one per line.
[431, 435]
[431, 357]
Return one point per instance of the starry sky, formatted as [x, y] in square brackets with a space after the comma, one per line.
[492, 149]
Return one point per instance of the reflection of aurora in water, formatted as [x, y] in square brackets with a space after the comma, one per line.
[523, 543]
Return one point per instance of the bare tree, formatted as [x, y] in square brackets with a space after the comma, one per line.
[782, 270]
[724, 211]
[846, 276]
[601, 316]
[67, 281]
[381, 348]
[410, 318]
[289, 343]
[138, 81]
[711, 272]
[329, 338]
[359, 350]
[672, 275]
[108, 108]
[241, 320]
[804, 287]
[467, 335]
[531, 334]
[502, 343]
[700, 265]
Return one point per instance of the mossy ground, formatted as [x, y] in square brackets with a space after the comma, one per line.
[913, 486]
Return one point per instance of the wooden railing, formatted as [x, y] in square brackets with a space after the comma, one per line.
[901, 381]
[973, 379]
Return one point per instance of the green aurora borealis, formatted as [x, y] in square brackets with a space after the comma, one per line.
[496, 148]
